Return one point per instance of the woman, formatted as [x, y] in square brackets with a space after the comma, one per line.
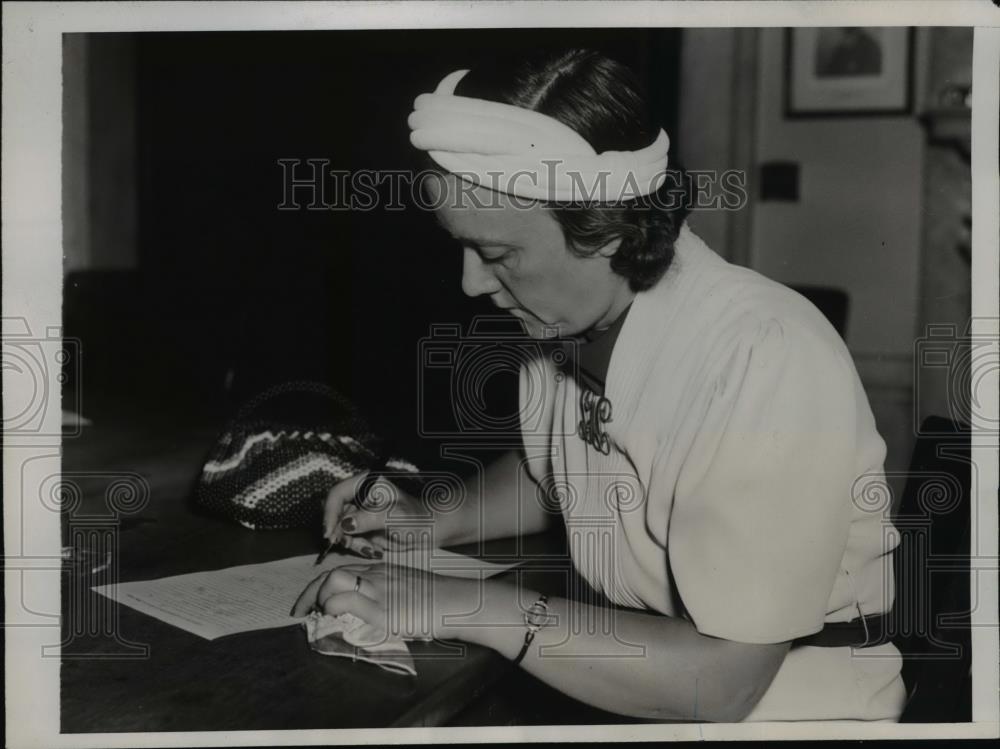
[705, 436]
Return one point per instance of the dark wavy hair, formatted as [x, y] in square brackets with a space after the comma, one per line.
[604, 101]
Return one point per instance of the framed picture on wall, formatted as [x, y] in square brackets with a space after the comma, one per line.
[848, 71]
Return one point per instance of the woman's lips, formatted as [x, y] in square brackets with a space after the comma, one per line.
[516, 311]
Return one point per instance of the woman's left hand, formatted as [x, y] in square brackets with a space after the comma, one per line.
[400, 601]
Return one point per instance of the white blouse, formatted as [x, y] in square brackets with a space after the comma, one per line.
[738, 482]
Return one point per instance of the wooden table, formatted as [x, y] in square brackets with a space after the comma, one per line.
[124, 671]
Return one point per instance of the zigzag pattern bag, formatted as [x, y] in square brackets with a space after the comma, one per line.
[277, 459]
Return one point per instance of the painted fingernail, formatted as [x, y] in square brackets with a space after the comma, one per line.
[379, 554]
[366, 551]
[348, 524]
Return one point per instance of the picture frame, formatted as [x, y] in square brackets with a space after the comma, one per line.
[848, 71]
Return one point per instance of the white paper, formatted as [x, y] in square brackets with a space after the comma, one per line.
[216, 603]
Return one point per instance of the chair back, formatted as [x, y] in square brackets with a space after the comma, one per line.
[930, 617]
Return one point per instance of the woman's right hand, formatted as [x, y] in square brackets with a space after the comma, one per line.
[363, 530]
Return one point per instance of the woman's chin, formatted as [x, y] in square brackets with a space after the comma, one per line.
[540, 330]
[533, 326]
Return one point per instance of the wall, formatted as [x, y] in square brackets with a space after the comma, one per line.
[75, 153]
[857, 222]
[856, 226]
[716, 127]
[879, 211]
[946, 291]
[232, 294]
[99, 152]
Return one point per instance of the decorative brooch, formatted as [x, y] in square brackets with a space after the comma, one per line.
[596, 410]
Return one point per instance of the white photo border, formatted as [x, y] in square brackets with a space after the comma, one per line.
[32, 281]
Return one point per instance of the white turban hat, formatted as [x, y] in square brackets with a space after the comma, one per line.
[528, 154]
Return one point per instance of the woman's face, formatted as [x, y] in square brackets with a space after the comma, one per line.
[517, 256]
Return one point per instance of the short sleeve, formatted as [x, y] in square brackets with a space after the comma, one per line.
[761, 509]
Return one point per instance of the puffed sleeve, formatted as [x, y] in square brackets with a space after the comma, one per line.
[762, 502]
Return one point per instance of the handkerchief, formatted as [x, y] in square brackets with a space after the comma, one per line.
[348, 636]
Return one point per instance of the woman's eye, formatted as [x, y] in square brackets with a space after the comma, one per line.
[489, 258]
[496, 259]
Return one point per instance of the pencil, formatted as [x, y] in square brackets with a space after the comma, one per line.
[360, 499]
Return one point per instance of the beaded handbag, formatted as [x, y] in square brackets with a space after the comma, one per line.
[277, 459]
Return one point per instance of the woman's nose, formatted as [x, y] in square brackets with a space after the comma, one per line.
[477, 278]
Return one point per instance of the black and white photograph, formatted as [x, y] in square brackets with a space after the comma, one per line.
[380, 373]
